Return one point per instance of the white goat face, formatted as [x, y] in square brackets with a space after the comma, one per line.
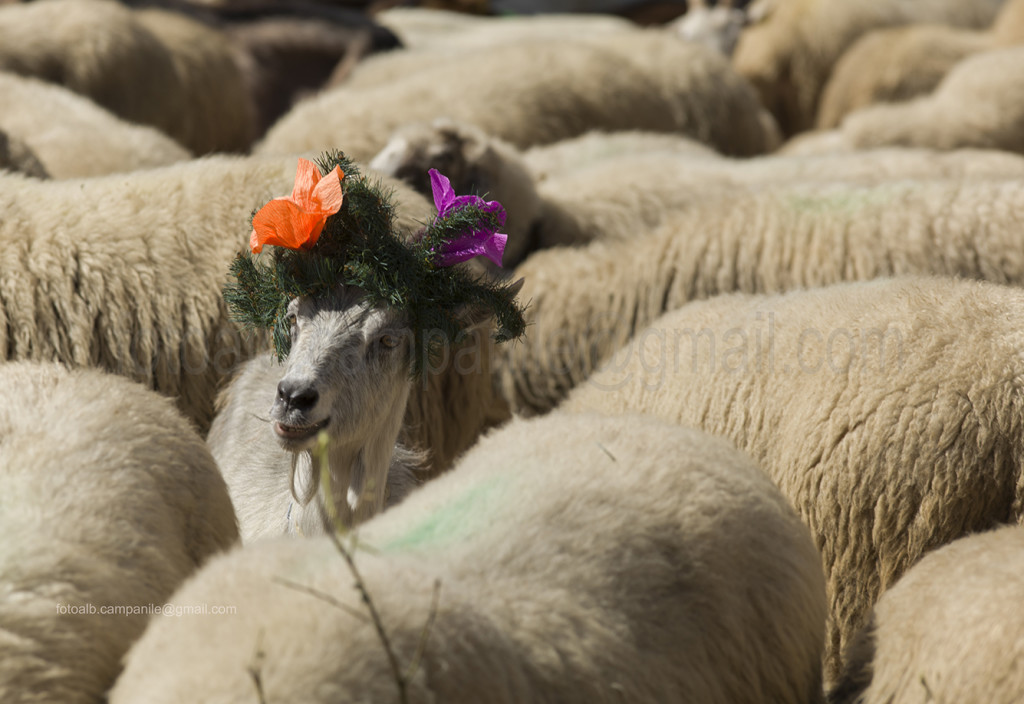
[346, 373]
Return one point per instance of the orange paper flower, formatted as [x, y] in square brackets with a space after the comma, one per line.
[296, 221]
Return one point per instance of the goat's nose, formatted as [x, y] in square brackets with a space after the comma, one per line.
[297, 395]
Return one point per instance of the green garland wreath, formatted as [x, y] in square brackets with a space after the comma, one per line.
[358, 247]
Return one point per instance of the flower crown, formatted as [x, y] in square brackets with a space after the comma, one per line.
[337, 228]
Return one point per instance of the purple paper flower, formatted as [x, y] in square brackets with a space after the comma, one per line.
[482, 241]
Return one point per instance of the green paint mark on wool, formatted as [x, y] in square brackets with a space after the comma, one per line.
[462, 516]
[843, 200]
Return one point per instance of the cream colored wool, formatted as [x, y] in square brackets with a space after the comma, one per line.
[980, 103]
[888, 412]
[789, 55]
[125, 272]
[587, 302]
[626, 198]
[439, 30]
[895, 65]
[579, 559]
[541, 92]
[430, 36]
[110, 500]
[951, 630]
[148, 67]
[73, 137]
[594, 147]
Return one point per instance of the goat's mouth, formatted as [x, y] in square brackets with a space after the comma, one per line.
[296, 434]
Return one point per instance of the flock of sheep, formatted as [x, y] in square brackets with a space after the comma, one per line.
[763, 440]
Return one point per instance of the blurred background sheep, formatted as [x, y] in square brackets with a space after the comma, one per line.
[789, 52]
[894, 65]
[73, 137]
[977, 104]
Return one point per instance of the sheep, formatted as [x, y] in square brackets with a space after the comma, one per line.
[73, 137]
[293, 51]
[438, 30]
[216, 112]
[594, 146]
[547, 91]
[950, 630]
[431, 36]
[895, 65]
[127, 273]
[892, 66]
[978, 104]
[150, 67]
[349, 374]
[560, 577]
[111, 500]
[18, 157]
[888, 412]
[790, 53]
[587, 203]
[586, 302]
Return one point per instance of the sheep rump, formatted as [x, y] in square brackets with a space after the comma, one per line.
[954, 620]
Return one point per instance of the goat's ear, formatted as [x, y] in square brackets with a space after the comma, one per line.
[474, 317]
[477, 316]
[516, 286]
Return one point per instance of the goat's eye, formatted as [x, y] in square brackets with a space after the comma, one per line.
[388, 340]
[293, 323]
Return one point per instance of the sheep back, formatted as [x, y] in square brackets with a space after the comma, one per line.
[586, 302]
[150, 67]
[567, 550]
[75, 138]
